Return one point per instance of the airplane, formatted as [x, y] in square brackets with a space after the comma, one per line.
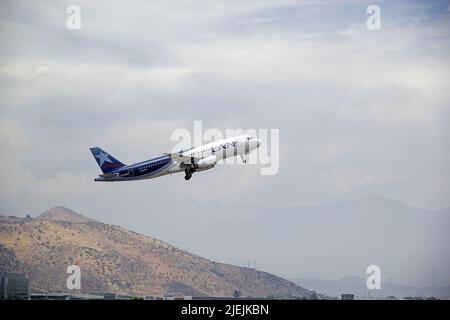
[191, 160]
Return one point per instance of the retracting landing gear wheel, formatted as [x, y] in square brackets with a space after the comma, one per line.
[188, 174]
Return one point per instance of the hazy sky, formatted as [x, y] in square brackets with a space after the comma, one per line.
[360, 112]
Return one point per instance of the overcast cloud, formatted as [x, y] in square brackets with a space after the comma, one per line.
[361, 113]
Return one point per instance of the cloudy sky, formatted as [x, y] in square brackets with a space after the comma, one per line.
[361, 112]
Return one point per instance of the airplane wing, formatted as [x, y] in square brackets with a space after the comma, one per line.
[109, 175]
[178, 156]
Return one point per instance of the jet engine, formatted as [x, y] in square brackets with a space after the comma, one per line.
[207, 163]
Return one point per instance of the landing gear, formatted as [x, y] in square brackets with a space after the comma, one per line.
[243, 159]
[188, 174]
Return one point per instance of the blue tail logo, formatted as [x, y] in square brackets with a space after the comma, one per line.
[105, 161]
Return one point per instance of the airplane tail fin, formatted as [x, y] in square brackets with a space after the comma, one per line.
[105, 161]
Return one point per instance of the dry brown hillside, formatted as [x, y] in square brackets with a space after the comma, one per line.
[113, 259]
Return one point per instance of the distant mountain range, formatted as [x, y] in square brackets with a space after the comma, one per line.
[357, 286]
[113, 259]
[328, 241]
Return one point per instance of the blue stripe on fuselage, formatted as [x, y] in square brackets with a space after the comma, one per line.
[145, 167]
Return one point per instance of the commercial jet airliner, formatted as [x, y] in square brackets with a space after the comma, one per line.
[191, 160]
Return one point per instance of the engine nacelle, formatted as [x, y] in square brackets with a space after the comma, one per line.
[207, 163]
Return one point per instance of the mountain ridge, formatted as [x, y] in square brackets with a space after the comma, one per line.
[61, 213]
